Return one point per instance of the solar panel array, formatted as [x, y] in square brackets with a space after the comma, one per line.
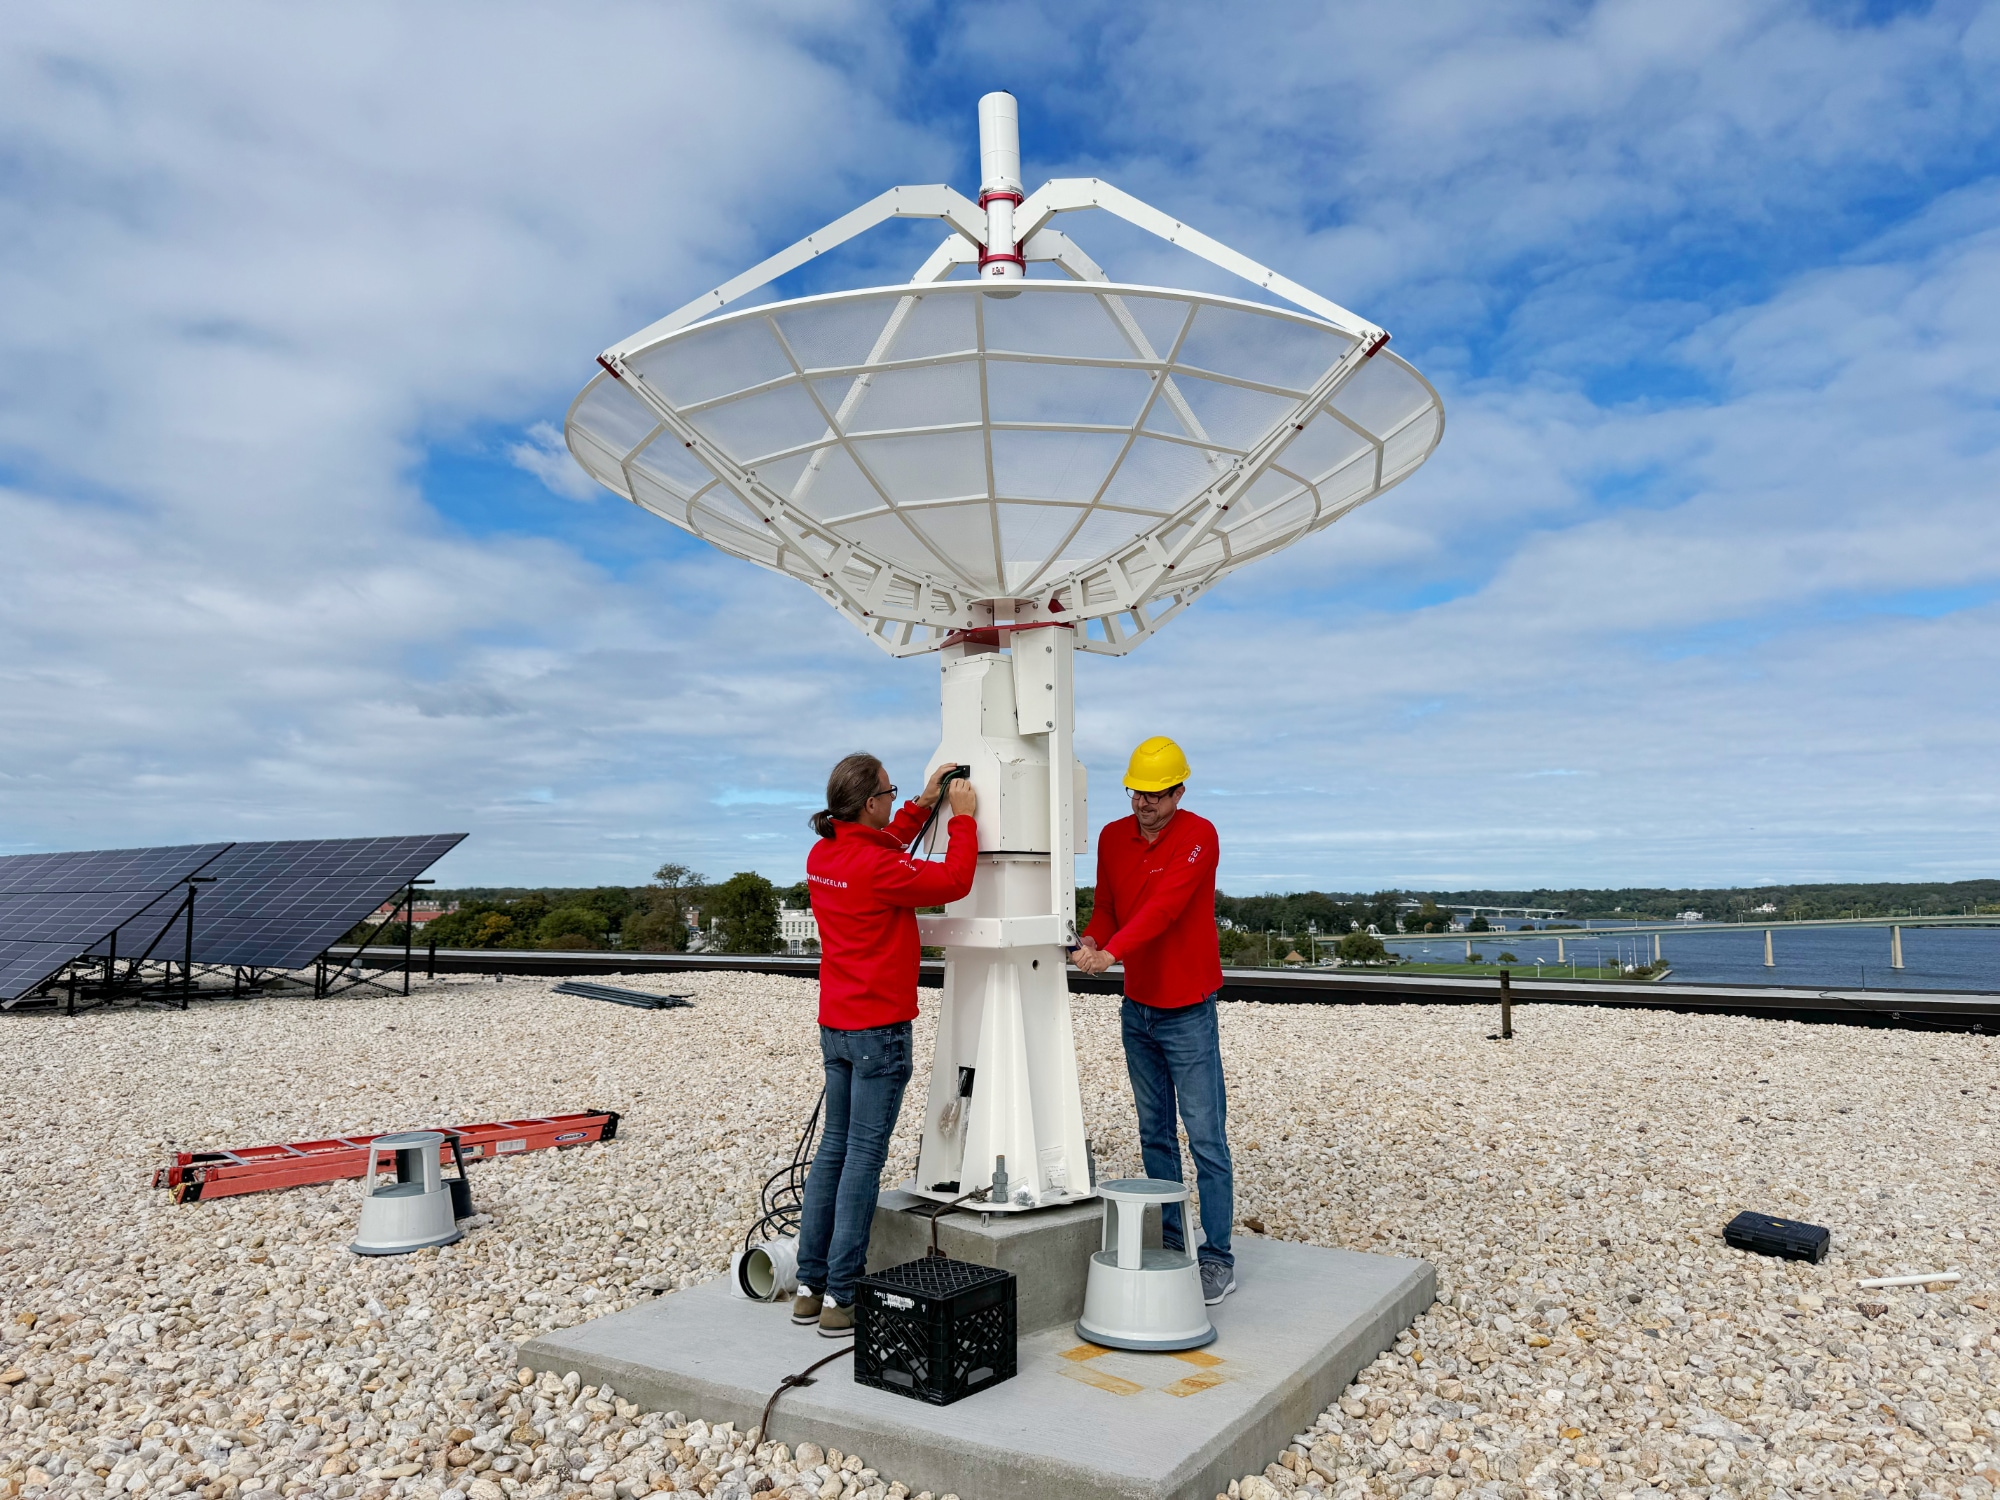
[53, 906]
[273, 904]
[278, 905]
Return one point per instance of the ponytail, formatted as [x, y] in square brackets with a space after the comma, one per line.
[847, 792]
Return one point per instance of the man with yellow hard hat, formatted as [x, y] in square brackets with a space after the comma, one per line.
[1155, 914]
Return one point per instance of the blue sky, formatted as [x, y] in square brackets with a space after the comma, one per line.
[1703, 585]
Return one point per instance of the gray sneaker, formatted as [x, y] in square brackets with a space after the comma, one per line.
[1217, 1281]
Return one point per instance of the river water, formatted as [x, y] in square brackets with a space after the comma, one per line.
[1934, 958]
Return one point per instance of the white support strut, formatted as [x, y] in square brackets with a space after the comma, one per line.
[1015, 230]
[1068, 194]
[932, 201]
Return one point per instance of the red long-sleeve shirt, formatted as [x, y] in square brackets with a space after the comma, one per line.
[1155, 909]
[865, 893]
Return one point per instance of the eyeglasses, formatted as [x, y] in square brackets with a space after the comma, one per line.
[1138, 796]
[887, 791]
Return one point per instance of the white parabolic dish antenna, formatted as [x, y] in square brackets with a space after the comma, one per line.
[910, 451]
[1006, 469]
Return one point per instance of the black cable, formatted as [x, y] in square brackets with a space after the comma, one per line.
[956, 773]
[945, 1208]
[804, 1377]
[782, 1199]
[1899, 1015]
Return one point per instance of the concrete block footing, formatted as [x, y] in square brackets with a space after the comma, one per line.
[1077, 1421]
[1048, 1250]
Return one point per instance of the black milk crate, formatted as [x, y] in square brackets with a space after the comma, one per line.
[934, 1329]
[1787, 1237]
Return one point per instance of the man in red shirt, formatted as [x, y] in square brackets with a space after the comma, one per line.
[1155, 913]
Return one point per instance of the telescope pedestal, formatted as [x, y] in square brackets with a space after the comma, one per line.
[1003, 1083]
[1003, 1094]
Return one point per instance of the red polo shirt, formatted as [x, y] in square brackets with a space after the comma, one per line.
[1155, 909]
[865, 893]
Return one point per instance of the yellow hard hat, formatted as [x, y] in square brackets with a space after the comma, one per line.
[1156, 765]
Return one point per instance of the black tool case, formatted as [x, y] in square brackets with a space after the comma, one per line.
[1783, 1237]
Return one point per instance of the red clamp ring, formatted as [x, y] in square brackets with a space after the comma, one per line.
[1006, 193]
[987, 257]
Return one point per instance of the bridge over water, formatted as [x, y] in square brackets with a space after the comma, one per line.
[1562, 936]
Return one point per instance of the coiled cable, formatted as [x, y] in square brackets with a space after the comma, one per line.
[782, 1201]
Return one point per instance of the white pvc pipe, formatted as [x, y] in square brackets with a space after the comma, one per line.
[766, 1272]
[1946, 1277]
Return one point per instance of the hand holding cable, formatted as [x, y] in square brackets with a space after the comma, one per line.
[955, 782]
[933, 788]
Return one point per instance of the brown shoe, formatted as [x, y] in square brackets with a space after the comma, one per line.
[805, 1307]
[836, 1322]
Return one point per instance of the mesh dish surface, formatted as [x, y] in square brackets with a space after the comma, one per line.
[905, 450]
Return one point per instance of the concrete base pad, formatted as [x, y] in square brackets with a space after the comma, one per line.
[1077, 1421]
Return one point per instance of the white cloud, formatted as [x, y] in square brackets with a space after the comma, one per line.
[542, 453]
[1708, 533]
[255, 260]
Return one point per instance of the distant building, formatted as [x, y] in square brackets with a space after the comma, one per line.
[798, 927]
[1765, 910]
[1688, 916]
[422, 912]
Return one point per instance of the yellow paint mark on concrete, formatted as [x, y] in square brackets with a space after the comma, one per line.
[1105, 1381]
[1194, 1383]
[1084, 1351]
[1197, 1357]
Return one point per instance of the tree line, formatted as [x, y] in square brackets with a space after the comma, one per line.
[740, 914]
[737, 915]
[1338, 912]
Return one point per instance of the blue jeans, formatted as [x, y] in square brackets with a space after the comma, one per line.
[865, 1074]
[1174, 1058]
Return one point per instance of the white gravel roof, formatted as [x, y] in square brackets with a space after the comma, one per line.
[1592, 1333]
